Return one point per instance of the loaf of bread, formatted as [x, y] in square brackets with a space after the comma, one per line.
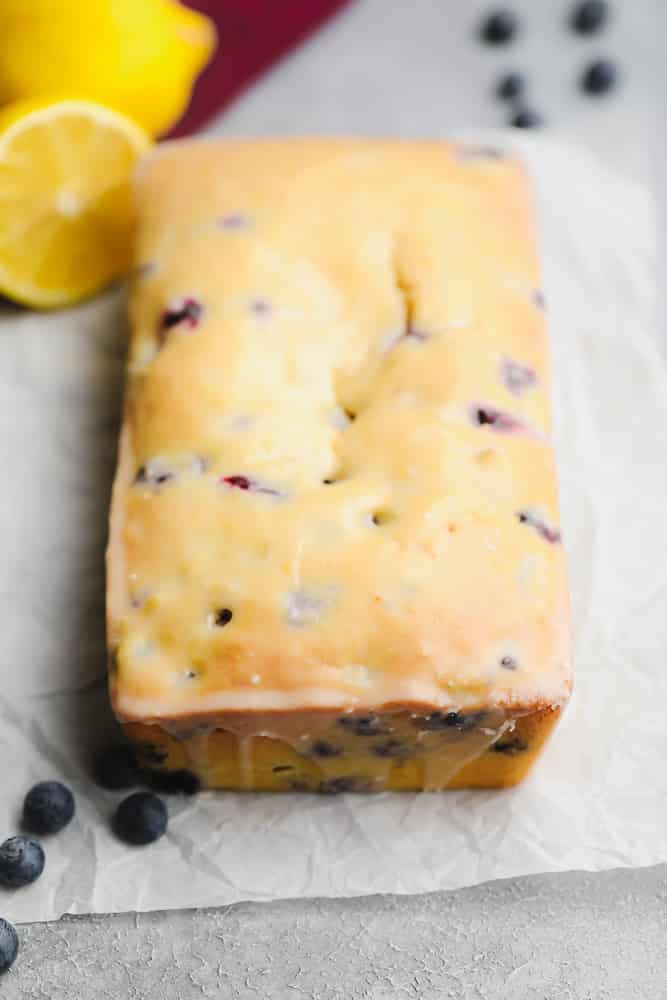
[335, 558]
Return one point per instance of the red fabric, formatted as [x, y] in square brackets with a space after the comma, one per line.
[252, 35]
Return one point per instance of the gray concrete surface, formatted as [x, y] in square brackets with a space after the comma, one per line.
[399, 68]
[571, 937]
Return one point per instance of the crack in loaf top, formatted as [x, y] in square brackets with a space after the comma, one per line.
[336, 484]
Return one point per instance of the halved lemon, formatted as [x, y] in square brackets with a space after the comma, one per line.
[66, 214]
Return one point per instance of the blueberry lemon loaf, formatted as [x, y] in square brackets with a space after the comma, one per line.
[334, 559]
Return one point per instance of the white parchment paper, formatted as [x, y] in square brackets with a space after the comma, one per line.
[598, 798]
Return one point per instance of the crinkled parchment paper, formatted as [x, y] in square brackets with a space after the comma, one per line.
[598, 798]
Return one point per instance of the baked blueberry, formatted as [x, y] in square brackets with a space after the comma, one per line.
[222, 617]
[234, 220]
[21, 861]
[508, 663]
[250, 485]
[516, 377]
[140, 819]
[509, 746]
[334, 786]
[323, 749]
[362, 725]
[510, 86]
[48, 807]
[391, 748]
[499, 27]
[535, 521]
[153, 473]
[526, 118]
[180, 782]
[151, 753]
[116, 767]
[187, 310]
[599, 78]
[589, 17]
[496, 420]
[438, 721]
[9, 945]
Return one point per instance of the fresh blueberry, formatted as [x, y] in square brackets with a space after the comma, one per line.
[526, 118]
[599, 77]
[323, 749]
[510, 86]
[499, 27]
[589, 17]
[140, 819]
[21, 861]
[180, 782]
[9, 945]
[48, 807]
[116, 767]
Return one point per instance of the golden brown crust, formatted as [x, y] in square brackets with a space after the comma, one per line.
[336, 429]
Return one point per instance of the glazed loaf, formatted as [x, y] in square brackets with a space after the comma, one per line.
[335, 558]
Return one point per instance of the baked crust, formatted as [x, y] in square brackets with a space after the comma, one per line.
[335, 489]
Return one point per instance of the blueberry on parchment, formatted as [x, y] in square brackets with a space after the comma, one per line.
[21, 861]
[48, 807]
[140, 819]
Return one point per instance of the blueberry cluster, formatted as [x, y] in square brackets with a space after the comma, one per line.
[500, 27]
[49, 806]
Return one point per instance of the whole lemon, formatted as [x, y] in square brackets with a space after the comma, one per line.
[140, 57]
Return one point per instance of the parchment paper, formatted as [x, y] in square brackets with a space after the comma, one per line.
[598, 798]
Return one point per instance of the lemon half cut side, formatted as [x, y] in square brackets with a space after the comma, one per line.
[66, 212]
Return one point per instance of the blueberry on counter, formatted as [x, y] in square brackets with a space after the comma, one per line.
[21, 862]
[141, 818]
[9, 945]
[499, 27]
[526, 118]
[116, 767]
[589, 17]
[510, 86]
[48, 807]
[599, 77]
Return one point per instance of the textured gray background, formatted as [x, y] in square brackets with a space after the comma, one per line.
[574, 936]
[409, 68]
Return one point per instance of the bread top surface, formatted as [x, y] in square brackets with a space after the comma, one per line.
[335, 482]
